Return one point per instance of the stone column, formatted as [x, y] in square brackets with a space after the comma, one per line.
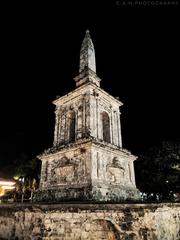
[119, 129]
[79, 121]
[48, 174]
[98, 119]
[66, 139]
[44, 174]
[93, 117]
[76, 124]
[111, 126]
[131, 167]
[62, 127]
[87, 117]
[115, 122]
[98, 164]
[83, 117]
[56, 129]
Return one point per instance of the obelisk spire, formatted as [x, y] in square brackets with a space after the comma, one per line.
[87, 54]
[87, 67]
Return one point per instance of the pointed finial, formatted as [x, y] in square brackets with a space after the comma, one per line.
[87, 54]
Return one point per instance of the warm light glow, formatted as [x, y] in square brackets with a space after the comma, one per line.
[7, 183]
[1, 191]
[16, 177]
[8, 187]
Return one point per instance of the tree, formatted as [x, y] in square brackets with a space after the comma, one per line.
[158, 170]
[27, 175]
[23, 166]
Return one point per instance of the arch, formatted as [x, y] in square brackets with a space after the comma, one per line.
[106, 127]
[99, 229]
[72, 126]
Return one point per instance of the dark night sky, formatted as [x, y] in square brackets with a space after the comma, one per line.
[136, 54]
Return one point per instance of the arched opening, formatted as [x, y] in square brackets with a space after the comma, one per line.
[72, 123]
[100, 229]
[106, 127]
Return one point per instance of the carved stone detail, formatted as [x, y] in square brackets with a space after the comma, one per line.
[116, 171]
[63, 170]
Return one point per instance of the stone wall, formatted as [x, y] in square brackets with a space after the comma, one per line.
[90, 221]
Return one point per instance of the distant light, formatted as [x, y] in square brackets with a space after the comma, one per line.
[8, 187]
[16, 177]
[21, 179]
[7, 183]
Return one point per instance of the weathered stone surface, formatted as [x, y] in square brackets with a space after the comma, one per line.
[90, 221]
[87, 171]
[87, 160]
[87, 54]
[21, 223]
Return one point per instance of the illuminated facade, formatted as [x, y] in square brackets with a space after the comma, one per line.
[87, 160]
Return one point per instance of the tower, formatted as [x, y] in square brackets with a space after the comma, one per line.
[87, 161]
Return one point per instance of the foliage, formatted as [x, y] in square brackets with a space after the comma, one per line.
[30, 175]
[158, 170]
[27, 168]
[27, 176]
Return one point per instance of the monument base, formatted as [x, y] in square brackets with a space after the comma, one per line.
[95, 193]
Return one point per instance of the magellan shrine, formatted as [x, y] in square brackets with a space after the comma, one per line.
[86, 176]
[87, 161]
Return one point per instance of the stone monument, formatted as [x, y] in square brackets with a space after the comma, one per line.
[87, 161]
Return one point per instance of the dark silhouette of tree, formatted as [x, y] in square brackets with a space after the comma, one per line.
[158, 170]
[27, 175]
